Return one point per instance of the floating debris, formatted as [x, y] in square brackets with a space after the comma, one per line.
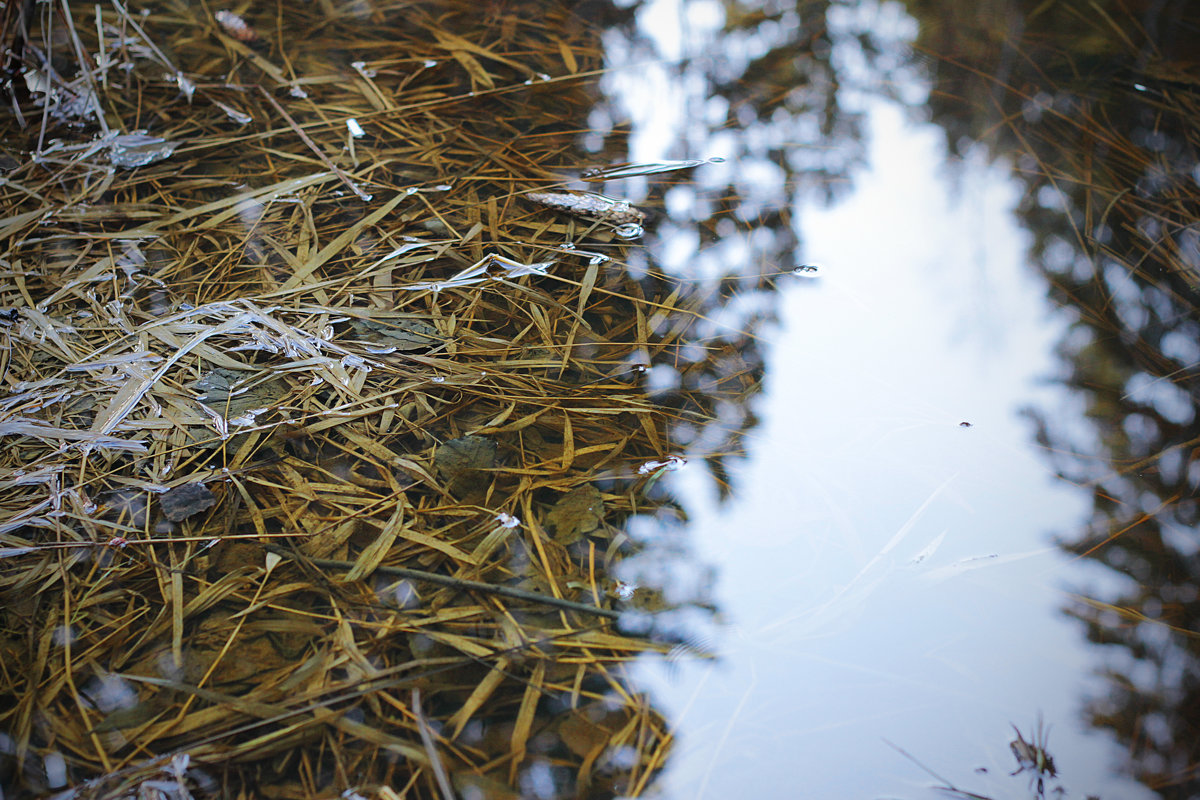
[240, 117]
[647, 168]
[578, 512]
[229, 327]
[138, 149]
[1032, 756]
[236, 27]
[806, 270]
[186, 501]
[480, 272]
[462, 464]
[388, 335]
[590, 206]
[630, 230]
[671, 464]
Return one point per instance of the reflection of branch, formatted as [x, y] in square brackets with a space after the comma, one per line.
[435, 760]
[947, 785]
[461, 583]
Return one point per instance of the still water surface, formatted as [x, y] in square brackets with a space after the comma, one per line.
[868, 543]
[887, 575]
[887, 572]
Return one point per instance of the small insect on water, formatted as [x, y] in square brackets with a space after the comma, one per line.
[1032, 756]
[236, 27]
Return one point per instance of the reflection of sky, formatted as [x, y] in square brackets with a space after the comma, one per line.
[923, 318]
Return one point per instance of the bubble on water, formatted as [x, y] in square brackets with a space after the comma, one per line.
[429, 62]
[671, 464]
[355, 362]
[716, 160]
[437, 379]
[507, 520]
[630, 230]
[806, 270]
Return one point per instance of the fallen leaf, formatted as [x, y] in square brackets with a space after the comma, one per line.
[458, 462]
[184, 501]
[578, 512]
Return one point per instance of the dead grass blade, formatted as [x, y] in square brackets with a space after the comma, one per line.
[280, 452]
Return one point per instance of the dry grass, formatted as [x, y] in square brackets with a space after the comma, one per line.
[304, 492]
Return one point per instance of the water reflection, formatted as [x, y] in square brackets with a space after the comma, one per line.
[1099, 113]
[455, 436]
[1111, 206]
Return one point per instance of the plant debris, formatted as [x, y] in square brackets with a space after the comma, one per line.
[278, 469]
[578, 512]
[187, 500]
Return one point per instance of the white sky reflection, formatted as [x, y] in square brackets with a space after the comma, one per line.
[924, 317]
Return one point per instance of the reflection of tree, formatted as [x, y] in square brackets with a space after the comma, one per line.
[1098, 106]
[235, 318]
[764, 91]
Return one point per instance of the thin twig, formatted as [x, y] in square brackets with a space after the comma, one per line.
[304, 137]
[461, 583]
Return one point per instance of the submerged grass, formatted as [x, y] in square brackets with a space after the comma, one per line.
[316, 439]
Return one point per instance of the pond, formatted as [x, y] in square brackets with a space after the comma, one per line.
[668, 398]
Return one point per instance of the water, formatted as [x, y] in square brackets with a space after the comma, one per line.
[892, 597]
[886, 576]
[829, 496]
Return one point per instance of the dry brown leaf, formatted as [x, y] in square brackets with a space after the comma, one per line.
[187, 500]
[577, 513]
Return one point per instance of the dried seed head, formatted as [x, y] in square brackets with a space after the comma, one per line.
[236, 27]
[590, 206]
